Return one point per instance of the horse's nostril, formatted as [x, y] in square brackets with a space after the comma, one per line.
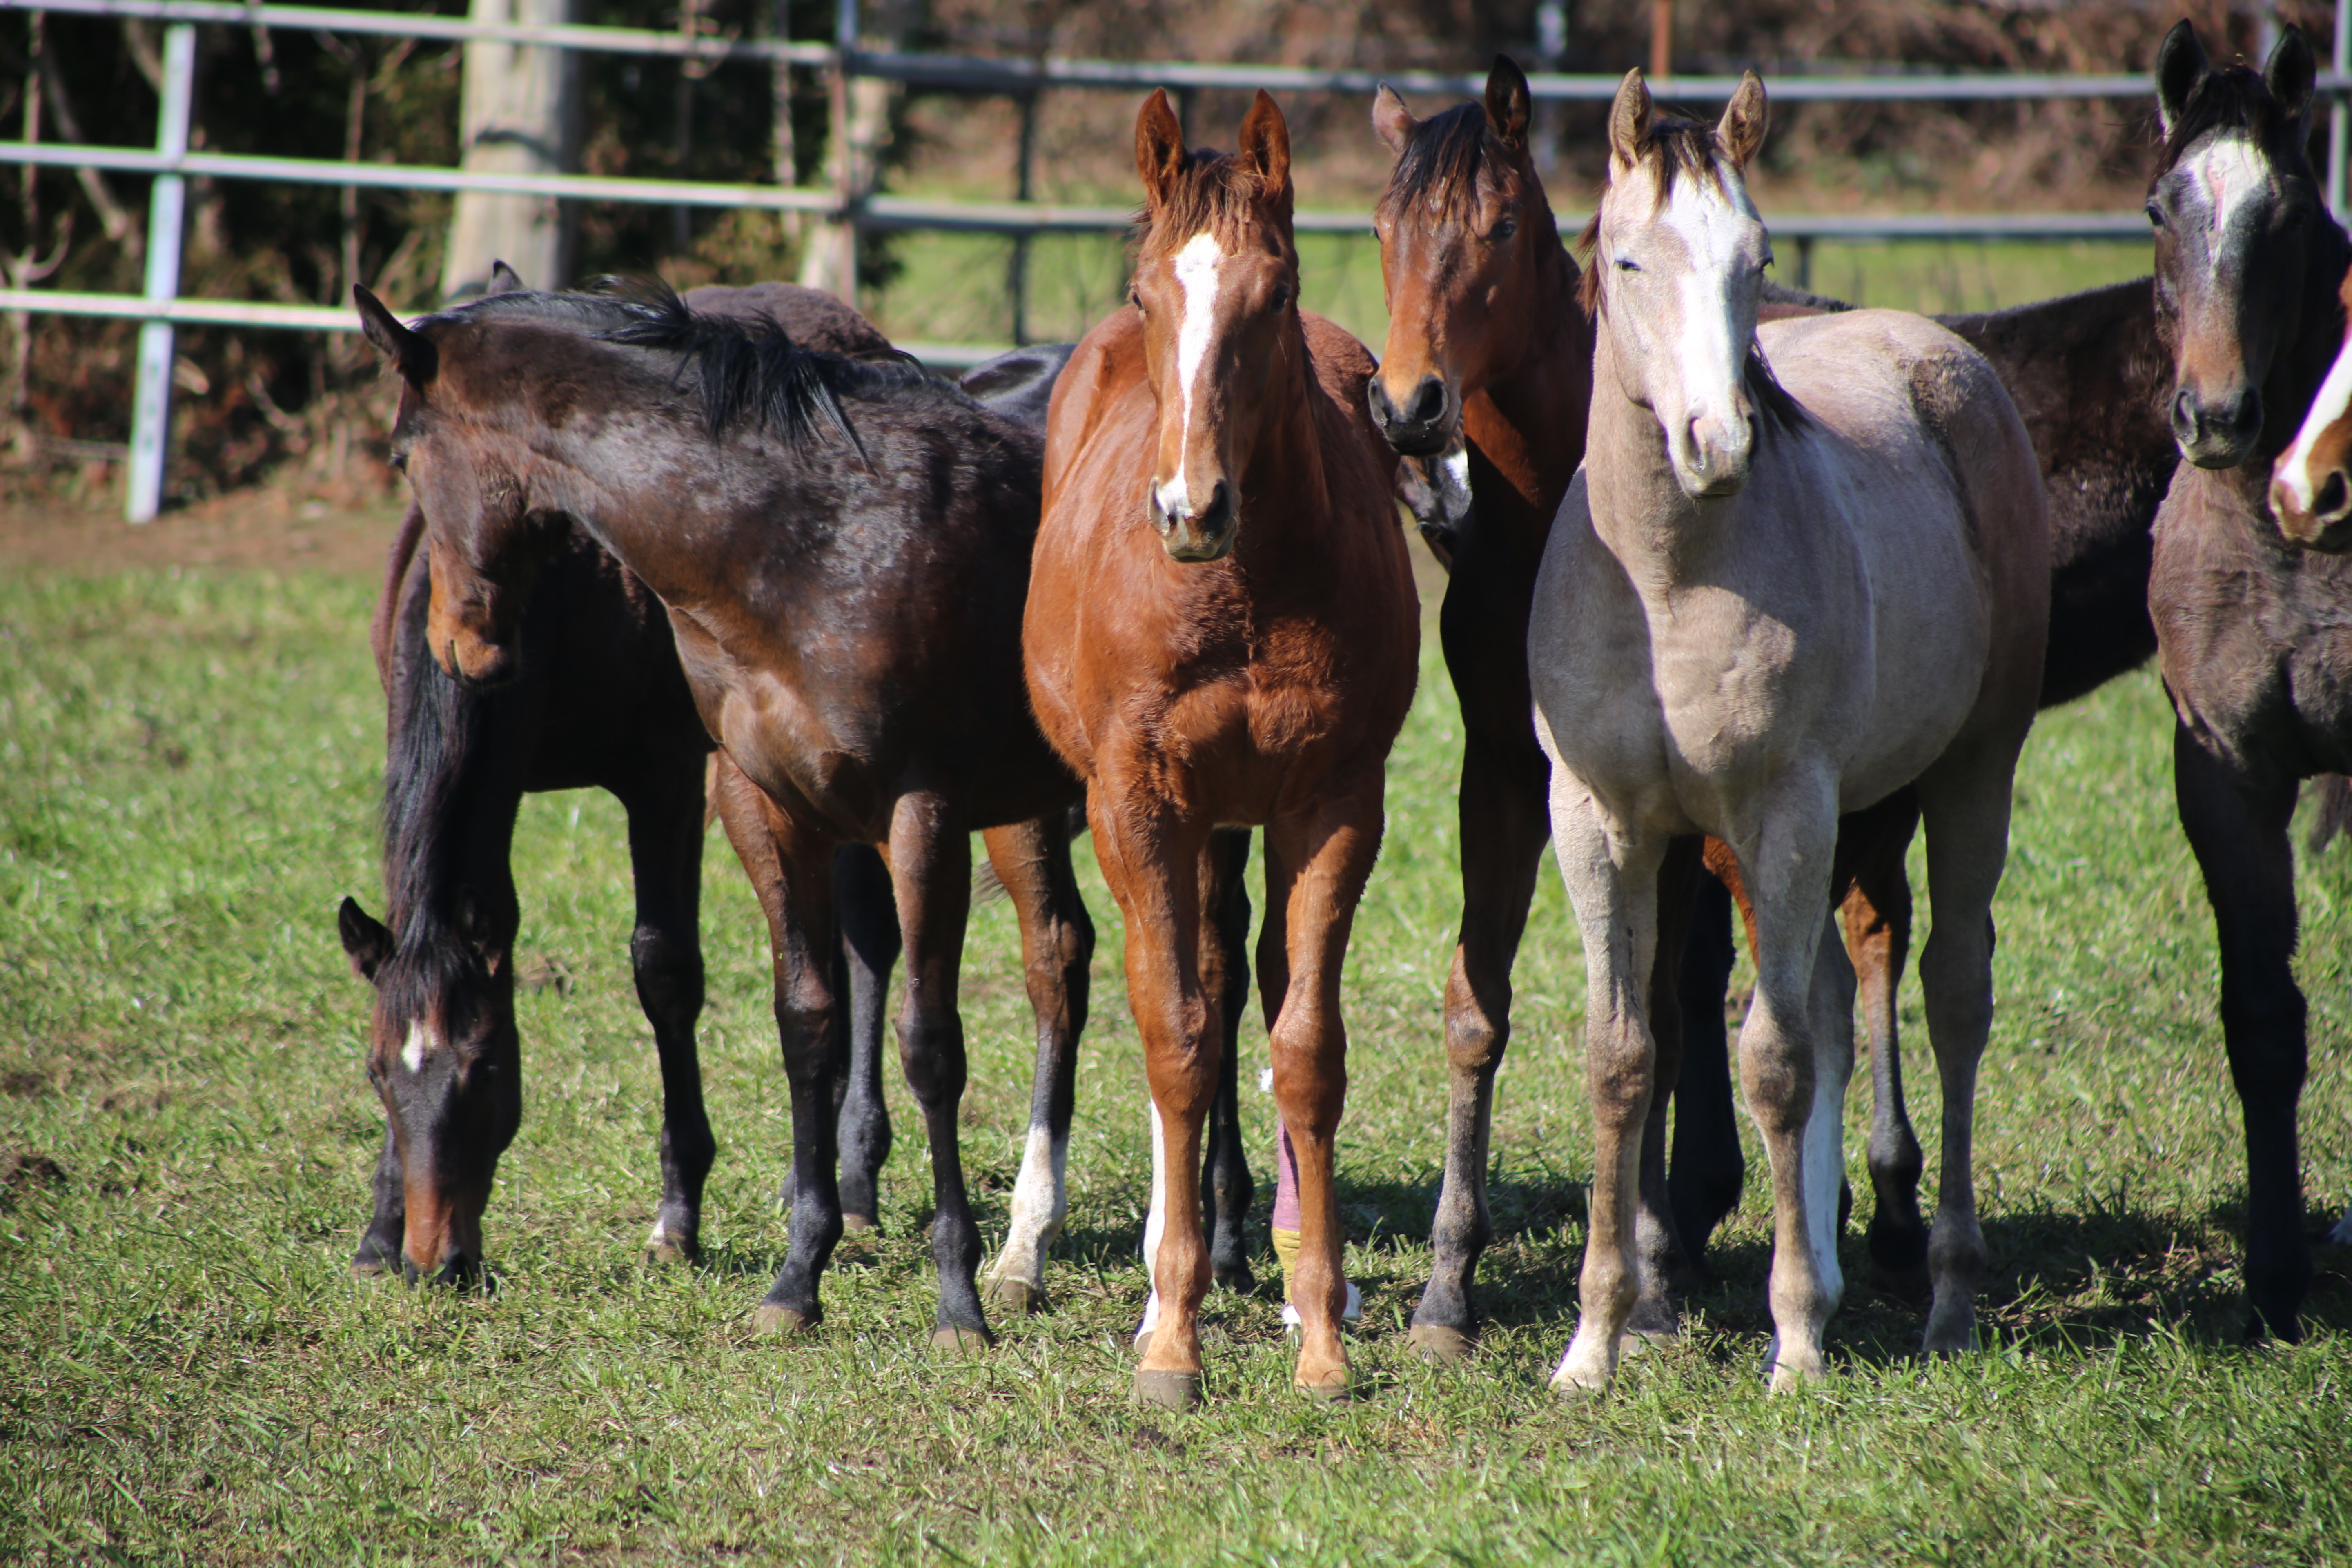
[1428, 400]
[2333, 499]
[2184, 410]
[1212, 520]
[1384, 410]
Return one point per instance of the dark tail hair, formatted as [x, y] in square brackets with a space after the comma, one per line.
[2332, 794]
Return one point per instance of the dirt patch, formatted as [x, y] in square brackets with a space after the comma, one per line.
[21, 1171]
[248, 531]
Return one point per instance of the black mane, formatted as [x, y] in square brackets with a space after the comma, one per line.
[1444, 159]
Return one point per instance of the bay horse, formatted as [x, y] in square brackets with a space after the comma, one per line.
[843, 549]
[1221, 633]
[1802, 567]
[2249, 602]
[1488, 348]
[599, 701]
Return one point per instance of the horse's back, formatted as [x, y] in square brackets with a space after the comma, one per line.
[813, 317]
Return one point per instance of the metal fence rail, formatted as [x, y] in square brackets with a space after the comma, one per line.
[159, 307]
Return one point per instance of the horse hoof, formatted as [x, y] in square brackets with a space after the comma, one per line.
[665, 1250]
[1238, 1279]
[773, 1319]
[1439, 1345]
[370, 1269]
[853, 1220]
[1335, 1389]
[1571, 1393]
[1167, 1390]
[956, 1340]
[1015, 1295]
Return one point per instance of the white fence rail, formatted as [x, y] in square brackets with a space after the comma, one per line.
[159, 309]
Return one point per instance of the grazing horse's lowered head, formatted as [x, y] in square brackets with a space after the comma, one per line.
[445, 1057]
[1677, 270]
[1217, 283]
[2232, 204]
[1466, 241]
[2310, 483]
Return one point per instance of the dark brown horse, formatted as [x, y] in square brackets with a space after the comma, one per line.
[1488, 343]
[2250, 619]
[1221, 633]
[842, 548]
[599, 701]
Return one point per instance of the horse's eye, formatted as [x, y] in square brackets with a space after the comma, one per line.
[2295, 218]
[1625, 264]
[1504, 229]
[2155, 216]
[400, 461]
[1281, 300]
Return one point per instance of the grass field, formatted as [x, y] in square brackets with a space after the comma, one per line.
[188, 767]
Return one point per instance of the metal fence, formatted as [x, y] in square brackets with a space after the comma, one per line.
[160, 309]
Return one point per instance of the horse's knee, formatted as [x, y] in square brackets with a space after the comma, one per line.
[931, 1048]
[1475, 1042]
[806, 1026]
[668, 972]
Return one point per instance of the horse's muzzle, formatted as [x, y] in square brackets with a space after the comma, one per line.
[1193, 537]
[2325, 522]
[1422, 427]
[2218, 433]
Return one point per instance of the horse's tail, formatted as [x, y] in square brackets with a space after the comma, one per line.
[2332, 794]
[387, 604]
[987, 887]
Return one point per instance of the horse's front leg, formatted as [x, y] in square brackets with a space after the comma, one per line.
[1057, 942]
[666, 952]
[1150, 857]
[1226, 1187]
[1317, 862]
[1503, 826]
[1703, 1184]
[1663, 1256]
[930, 868]
[2238, 827]
[1796, 1052]
[791, 868]
[1611, 872]
[1878, 937]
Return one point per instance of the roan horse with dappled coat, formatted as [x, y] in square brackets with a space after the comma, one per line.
[1222, 633]
[2251, 605]
[1767, 604]
[843, 550]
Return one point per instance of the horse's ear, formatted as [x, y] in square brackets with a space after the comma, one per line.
[2180, 65]
[1629, 123]
[1741, 130]
[1393, 122]
[366, 941]
[2291, 74]
[504, 279]
[1158, 147]
[1265, 146]
[1507, 101]
[411, 351]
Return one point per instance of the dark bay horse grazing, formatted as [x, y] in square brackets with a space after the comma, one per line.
[842, 548]
[1487, 343]
[1221, 633]
[1802, 567]
[599, 700]
[2251, 605]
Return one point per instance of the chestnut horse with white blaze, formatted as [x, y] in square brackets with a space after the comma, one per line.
[1765, 604]
[1222, 633]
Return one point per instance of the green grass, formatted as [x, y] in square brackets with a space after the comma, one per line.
[951, 287]
[187, 773]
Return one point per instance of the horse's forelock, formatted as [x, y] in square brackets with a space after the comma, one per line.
[1444, 164]
[1675, 147]
[1215, 193]
[2230, 98]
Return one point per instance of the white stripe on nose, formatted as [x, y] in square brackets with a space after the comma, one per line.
[2327, 409]
[1196, 273]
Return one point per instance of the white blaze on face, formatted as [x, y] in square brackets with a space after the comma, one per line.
[1196, 269]
[2228, 173]
[422, 1042]
[1714, 225]
[2294, 470]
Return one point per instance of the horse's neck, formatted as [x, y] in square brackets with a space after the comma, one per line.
[1638, 508]
[1288, 504]
[1525, 423]
[631, 500]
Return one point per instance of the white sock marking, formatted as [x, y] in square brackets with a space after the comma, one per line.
[1040, 1204]
[1156, 1221]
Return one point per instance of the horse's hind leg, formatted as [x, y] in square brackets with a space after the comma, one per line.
[1657, 1245]
[1966, 809]
[1704, 1181]
[2238, 827]
[1878, 934]
[870, 948]
[666, 952]
[388, 1226]
[930, 871]
[790, 869]
[1503, 826]
[1226, 1187]
[1058, 943]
